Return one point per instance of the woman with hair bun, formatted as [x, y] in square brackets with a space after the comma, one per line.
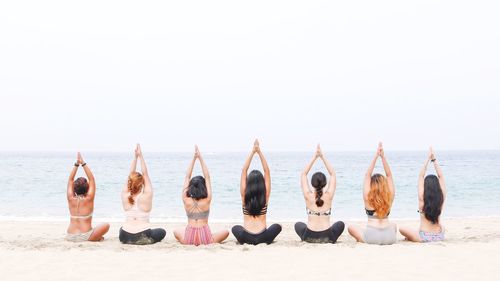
[197, 197]
[319, 205]
[80, 194]
[137, 199]
[431, 197]
[378, 195]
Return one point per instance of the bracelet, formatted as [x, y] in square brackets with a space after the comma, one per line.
[433, 160]
[83, 165]
[77, 165]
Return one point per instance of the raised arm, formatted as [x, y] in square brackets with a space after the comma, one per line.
[421, 179]
[265, 166]
[332, 186]
[387, 170]
[133, 168]
[90, 176]
[69, 191]
[206, 174]
[244, 172]
[304, 181]
[148, 187]
[189, 174]
[368, 175]
[439, 173]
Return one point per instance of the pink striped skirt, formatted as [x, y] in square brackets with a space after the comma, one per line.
[198, 235]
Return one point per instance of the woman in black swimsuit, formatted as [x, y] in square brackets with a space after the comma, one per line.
[319, 205]
[255, 189]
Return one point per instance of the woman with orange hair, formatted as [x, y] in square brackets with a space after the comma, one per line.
[378, 194]
[137, 199]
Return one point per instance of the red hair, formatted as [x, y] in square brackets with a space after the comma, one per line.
[135, 185]
[380, 196]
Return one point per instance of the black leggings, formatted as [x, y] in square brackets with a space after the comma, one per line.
[326, 236]
[266, 236]
[146, 237]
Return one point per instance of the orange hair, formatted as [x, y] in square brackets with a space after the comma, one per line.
[380, 196]
[135, 184]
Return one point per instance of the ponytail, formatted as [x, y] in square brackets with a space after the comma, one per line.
[134, 185]
[319, 201]
[318, 181]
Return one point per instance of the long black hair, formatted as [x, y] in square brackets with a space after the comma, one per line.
[197, 188]
[433, 198]
[318, 181]
[255, 193]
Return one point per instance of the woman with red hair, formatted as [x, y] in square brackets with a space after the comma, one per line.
[137, 200]
[378, 194]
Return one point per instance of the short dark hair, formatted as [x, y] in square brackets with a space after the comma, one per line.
[81, 186]
[197, 188]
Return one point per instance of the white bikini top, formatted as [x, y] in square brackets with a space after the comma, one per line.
[80, 217]
[135, 213]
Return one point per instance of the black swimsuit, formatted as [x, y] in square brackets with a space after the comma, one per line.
[371, 214]
[326, 236]
[266, 236]
[146, 237]
[263, 211]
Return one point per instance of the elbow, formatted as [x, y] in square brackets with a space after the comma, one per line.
[267, 170]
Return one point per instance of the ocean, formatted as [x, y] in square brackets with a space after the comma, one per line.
[33, 185]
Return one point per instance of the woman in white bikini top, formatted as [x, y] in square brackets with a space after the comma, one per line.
[80, 195]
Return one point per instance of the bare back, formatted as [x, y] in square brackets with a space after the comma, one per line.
[195, 208]
[317, 220]
[80, 209]
[137, 214]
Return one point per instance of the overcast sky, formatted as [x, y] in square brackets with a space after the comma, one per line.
[103, 75]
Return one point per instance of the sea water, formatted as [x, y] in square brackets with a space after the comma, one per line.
[33, 185]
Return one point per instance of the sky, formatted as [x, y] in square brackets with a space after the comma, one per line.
[104, 75]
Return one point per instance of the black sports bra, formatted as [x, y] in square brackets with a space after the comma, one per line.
[371, 214]
[262, 212]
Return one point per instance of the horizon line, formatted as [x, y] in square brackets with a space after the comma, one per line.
[243, 151]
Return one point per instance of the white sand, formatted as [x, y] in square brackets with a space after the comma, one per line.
[36, 251]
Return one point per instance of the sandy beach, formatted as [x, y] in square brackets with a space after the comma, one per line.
[37, 251]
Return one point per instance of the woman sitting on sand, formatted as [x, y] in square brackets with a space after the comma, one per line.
[378, 194]
[80, 194]
[197, 196]
[319, 205]
[255, 189]
[137, 200]
[431, 196]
